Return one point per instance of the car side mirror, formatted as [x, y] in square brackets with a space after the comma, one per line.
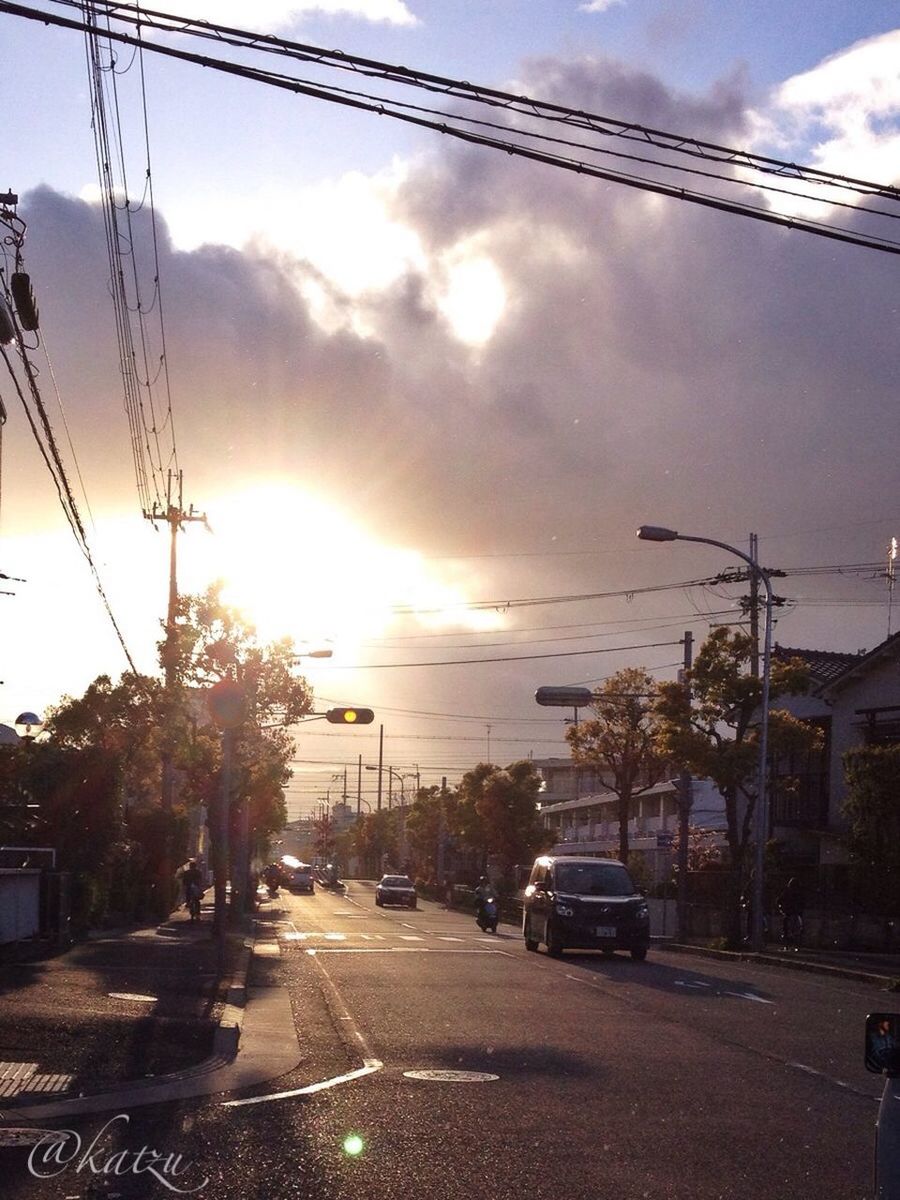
[883, 1043]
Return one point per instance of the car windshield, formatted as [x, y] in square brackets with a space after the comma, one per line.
[593, 879]
[396, 881]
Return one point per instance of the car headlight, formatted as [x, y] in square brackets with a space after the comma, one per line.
[565, 911]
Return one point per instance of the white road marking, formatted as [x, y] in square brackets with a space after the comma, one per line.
[398, 950]
[410, 937]
[371, 1066]
[748, 996]
[267, 949]
[444, 938]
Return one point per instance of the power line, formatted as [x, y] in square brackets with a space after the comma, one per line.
[443, 124]
[469, 662]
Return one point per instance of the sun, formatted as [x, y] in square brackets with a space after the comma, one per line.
[310, 572]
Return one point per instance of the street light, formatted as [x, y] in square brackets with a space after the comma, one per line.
[28, 725]
[392, 774]
[657, 533]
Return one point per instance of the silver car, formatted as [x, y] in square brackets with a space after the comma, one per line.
[396, 889]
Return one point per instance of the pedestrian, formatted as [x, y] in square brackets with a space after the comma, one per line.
[884, 1050]
[791, 904]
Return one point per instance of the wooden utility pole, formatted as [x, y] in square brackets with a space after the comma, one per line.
[175, 517]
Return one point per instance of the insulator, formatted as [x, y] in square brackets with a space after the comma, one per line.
[7, 329]
[24, 298]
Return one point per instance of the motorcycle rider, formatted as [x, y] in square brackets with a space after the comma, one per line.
[481, 894]
[192, 883]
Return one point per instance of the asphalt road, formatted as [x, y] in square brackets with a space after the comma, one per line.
[678, 1077]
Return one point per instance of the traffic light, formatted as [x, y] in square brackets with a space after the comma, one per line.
[350, 716]
[23, 296]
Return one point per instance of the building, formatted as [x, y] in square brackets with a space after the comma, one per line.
[854, 700]
[587, 822]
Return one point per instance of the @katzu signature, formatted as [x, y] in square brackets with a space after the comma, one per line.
[63, 1151]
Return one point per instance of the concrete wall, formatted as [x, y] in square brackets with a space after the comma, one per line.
[19, 904]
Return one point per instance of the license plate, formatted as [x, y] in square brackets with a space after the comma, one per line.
[605, 931]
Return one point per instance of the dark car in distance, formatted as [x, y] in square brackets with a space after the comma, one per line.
[396, 889]
[584, 904]
[300, 879]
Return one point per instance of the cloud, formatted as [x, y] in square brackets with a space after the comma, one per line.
[649, 361]
[843, 115]
[273, 14]
[598, 6]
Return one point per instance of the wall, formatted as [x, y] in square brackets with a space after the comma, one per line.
[19, 904]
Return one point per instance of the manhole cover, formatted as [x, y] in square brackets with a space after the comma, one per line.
[133, 996]
[451, 1076]
[31, 1137]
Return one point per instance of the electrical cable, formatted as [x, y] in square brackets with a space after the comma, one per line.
[383, 108]
[464, 90]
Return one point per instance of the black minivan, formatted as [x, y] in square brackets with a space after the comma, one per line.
[584, 904]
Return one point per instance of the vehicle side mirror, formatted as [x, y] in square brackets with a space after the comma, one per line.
[883, 1043]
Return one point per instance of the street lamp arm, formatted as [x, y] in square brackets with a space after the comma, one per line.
[754, 566]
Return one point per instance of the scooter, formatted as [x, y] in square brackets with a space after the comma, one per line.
[488, 914]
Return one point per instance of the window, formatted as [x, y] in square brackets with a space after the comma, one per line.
[800, 783]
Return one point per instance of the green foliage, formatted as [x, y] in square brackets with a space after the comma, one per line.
[375, 836]
[873, 813]
[423, 826]
[498, 813]
[715, 735]
[620, 739]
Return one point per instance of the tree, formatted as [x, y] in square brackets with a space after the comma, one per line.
[375, 840]
[498, 812]
[621, 741]
[425, 826]
[873, 815]
[715, 735]
[212, 641]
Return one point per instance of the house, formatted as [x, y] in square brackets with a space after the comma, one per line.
[854, 700]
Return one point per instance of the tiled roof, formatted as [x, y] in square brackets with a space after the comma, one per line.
[825, 666]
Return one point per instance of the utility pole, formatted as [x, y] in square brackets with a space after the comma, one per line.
[175, 517]
[684, 804]
[359, 787]
[380, 761]
[441, 835]
[754, 608]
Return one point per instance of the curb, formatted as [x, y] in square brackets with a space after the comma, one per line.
[226, 1041]
[792, 964]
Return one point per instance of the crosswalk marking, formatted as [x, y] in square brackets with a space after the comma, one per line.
[411, 937]
[444, 938]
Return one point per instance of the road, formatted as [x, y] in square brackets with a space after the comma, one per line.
[679, 1077]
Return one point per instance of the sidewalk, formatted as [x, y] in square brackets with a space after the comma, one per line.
[120, 1007]
[882, 970]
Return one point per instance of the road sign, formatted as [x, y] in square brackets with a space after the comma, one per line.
[564, 697]
[227, 703]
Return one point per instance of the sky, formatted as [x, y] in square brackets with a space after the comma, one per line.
[413, 374]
